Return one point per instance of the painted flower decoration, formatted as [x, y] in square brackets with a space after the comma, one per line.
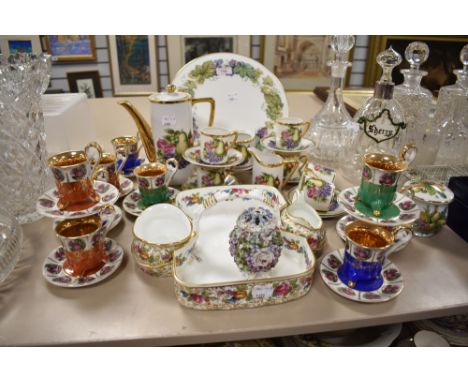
[96, 238]
[263, 132]
[261, 261]
[407, 205]
[58, 174]
[366, 173]
[334, 262]
[166, 148]
[371, 296]
[282, 289]
[390, 289]
[102, 188]
[144, 183]
[387, 179]
[76, 245]
[53, 268]
[362, 253]
[159, 181]
[391, 274]
[78, 172]
[135, 196]
[330, 276]
[197, 298]
[46, 203]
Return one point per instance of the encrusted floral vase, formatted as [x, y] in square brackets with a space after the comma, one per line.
[255, 242]
[23, 156]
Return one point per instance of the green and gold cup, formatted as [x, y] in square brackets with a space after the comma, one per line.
[379, 180]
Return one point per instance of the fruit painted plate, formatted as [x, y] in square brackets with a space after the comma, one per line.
[105, 218]
[401, 240]
[133, 205]
[408, 210]
[193, 156]
[47, 203]
[391, 288]
[246, 93]
[334, 209]
[53, 272]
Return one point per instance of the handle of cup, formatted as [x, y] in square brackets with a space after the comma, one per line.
[408, 153]
[212, 103]
[113, 215]
[96, 171]
[94, 163]
[234, 141]
[172, 166]
[398, 231]
[123, 151]
[299, 163]
[306, 130]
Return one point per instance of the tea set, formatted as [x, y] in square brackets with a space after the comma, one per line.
[229, 245]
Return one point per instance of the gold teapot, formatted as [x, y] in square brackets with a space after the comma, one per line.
[170, 132]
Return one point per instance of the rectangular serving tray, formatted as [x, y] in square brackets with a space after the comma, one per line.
[205, 274]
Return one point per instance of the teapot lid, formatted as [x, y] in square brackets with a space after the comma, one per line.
[256, 219]
[170, 95]
[430, 192]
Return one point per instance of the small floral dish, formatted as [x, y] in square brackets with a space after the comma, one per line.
[52, 270]
[46, 205]
[408, 211]
[391, 288]
[334, 209]
[193, 155]
[106, 216]
[133, 205]
[269, 143]
[401, 240]
[126, 185]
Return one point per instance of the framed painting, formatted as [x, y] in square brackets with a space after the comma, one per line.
[20, 44]
[88, 82]
[182, 49]
[444, 58]
[300, 62]
[133, 63]
[71, 48]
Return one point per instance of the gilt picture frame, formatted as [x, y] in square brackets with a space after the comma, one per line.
[133, 64]
[71, 48]
[20, 44]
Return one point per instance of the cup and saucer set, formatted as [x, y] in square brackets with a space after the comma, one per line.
[378, 224]
[84, 212]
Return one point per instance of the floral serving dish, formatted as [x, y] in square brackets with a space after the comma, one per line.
[206, 276]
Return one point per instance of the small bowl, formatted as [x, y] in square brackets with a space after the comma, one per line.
[158, 232]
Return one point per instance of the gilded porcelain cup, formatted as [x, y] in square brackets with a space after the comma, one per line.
[289, 132]
[215, 144]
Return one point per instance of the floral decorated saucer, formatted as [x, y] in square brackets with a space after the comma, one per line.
[193, 156]
[133, 205]
[391, 287]
[401, 240]
[334, 209]
[126, 185]
[105, 218]
[54, 274]
[270, 144]
[408, 210]
[47, 203]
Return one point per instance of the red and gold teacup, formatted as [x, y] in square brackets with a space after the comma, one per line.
[109, 170]
[83, 243]
[74, 173]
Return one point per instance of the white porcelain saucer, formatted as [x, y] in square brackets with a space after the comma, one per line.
[53, 272]
[193, 156]
[126, 185]
[133, 206]
[391, 288]
[105, 218]
[401, 240]
[408, 210]
[47, 203]
[334, 210]
[270, 144]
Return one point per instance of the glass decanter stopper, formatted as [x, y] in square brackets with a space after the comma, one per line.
[416, 102]
[332, 128]
[382, 126]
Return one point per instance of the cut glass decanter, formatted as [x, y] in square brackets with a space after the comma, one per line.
[382, 126]
[332, 128]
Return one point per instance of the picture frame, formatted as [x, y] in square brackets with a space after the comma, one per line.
[17, 44]
[88, 82]
[133, 64]
[300, 62]
[444, 57]
[182, 49]
[71, 48]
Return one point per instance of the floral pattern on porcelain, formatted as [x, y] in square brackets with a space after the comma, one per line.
[52, 269]
[289, 138]
[431, 219]
[267, 180]
[391, 288]
[255, 242]
[379, 177]
[215, 151]
[366, 255]
[70, 174]
[152, 260]
[326, 173]
[173, 145]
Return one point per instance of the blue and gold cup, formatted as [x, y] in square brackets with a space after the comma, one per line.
[129, 145]
[367, 247]
[153, 180]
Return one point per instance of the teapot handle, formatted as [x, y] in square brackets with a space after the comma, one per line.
[212, 103]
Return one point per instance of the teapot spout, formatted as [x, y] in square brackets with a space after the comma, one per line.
[143, 128]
